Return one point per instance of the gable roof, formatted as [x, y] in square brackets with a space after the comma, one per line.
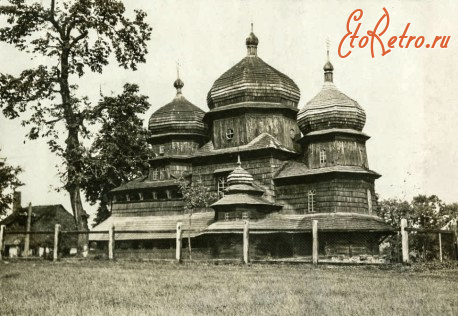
[292, 169]
[39, 213]
[262, 141]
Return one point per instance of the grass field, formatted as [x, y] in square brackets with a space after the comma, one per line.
[145, 288]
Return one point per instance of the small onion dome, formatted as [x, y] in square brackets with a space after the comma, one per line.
[178, 84]
[252, 40]
[177, 117]
[330, 108]
[253, 80]
[328, 66]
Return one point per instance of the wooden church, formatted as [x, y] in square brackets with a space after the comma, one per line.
[271, 162]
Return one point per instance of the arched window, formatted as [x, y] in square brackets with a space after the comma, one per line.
[369, 201]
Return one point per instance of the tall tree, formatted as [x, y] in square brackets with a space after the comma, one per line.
[120, 151]
[9, 181]
[75, 36]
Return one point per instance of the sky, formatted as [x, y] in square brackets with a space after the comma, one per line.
[409, 95]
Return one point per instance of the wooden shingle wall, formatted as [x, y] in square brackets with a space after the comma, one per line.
[335, 195]
[176, 147]
[262, 170]
[339, 152]
[147, 208]
[248, 126]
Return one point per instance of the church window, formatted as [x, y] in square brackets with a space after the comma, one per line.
[369, 201]
[229, 134]
[244, 215]
[155, 174]
[226, 216]
[311, 201]
[221, 185]
[162, 174]
[322, 157]
[161, 149]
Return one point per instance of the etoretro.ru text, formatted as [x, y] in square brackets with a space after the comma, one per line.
[352, 39]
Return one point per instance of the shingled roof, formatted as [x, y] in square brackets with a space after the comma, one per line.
[43, 218]
[158, 227]
[263, 141]
[177, 117]
[331, 108]
[292, 169]
[252, 79]
[330, 222]
[143, 183]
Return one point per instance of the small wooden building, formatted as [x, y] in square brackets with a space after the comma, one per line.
[43, 218]
[294, 166]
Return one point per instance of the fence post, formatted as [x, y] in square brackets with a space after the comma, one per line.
[56, 242]
[111, 242]
[455, 239]
[2, 230]
[246, 242]
[27, 235]
[405, 241]
[440, 247]
[178, 246]
[315, 242]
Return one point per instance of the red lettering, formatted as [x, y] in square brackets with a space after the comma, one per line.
[403, 36]
[446, 39]
[391, 41]
[363, 41]
[418, 45]
[411, 38]
[373, 34]
[435, 40]
[356, 18]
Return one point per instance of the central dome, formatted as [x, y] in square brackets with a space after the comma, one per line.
[253, 80]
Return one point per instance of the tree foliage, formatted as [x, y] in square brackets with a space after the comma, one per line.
[9, 181]
[427, 212]
[195, 195]
[74, 37]
[120, 151]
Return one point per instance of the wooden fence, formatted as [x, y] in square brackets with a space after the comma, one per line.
[111, 253]
[439, 232]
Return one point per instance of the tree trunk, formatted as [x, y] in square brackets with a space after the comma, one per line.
[80, 218]
[73, 154]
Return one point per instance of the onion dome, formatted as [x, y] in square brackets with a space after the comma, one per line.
[177, 117]
[242, 191]
[331, 108]
[253, 80]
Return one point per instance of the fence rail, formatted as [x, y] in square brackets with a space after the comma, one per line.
[446, 243]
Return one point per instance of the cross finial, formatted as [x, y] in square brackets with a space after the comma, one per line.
[328, 45]
[178, 70]
[251, 27]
